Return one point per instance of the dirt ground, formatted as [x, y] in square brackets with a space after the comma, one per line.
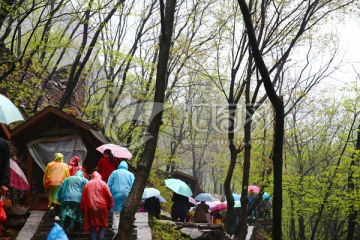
[9, 234]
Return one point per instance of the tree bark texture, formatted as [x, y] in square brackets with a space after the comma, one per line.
[147, 156]
[278, 106]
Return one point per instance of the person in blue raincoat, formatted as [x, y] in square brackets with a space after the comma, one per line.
[57, 233]
[69, 196]
[120, 183]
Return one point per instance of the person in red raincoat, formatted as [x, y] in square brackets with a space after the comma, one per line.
[74, 166]
[107, 165]
[4, 175]
[96, 201]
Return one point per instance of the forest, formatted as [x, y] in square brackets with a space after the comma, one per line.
[234, 93]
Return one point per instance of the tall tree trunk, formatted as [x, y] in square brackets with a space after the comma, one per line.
[227, 188]
[301, 228]
[351, 187]
[246, 168]
[292, 221]
[278, 105]
[233, 155]
[147, 156]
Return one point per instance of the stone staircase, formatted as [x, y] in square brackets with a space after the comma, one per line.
[39, 224]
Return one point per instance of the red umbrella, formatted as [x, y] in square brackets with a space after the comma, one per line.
[17, 177]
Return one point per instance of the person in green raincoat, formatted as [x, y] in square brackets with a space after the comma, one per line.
[69, 195]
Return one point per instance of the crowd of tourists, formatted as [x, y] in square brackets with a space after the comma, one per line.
[78, 201]
[81, 202]
[213, 209]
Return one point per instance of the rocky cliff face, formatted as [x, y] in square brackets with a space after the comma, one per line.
[31, 88]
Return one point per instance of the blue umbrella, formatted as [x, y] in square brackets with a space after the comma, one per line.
[236, 197]
[8, 111]
[266, 197]
[205, 197]
[178, 186]
[150, 192]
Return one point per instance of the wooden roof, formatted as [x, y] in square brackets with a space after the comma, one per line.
[48, 115]
[184, 175]
[54, 122]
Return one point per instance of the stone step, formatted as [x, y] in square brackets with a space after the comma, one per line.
[39, 224]
[31, 225]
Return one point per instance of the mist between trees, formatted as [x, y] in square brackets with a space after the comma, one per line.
[182, 85]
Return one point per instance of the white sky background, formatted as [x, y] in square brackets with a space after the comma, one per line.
[349, 52]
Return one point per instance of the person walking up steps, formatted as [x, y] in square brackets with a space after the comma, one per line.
[96, 201]
[55, 173]
[120, 183]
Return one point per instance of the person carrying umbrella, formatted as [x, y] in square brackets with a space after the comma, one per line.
[181, 204]
[96, 201]
[180, 207]
[120, 183]
[55, 173]
[4, 169]
[69, 195]
[107, 164]
[201, 213]
[4, 166]
[152, 205]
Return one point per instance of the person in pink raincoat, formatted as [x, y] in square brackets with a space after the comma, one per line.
[74, 166]
[96, 201]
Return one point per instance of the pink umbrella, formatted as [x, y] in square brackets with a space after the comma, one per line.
[253, 188]
[220, 206]
[193, 201]
[17, 177]
[210, 204]
[117, 150]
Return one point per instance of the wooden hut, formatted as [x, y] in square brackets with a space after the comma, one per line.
[50, 131]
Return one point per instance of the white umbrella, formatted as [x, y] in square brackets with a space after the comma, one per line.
[8, 111]
[150, 192]
[162, 199]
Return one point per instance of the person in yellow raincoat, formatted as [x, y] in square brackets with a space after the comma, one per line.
[55, 173]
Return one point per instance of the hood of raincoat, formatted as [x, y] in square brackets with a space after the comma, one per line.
[58, 157]
[71, 189]
[79, 173]
[74, 161]
[95, 175]
[123, 165]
